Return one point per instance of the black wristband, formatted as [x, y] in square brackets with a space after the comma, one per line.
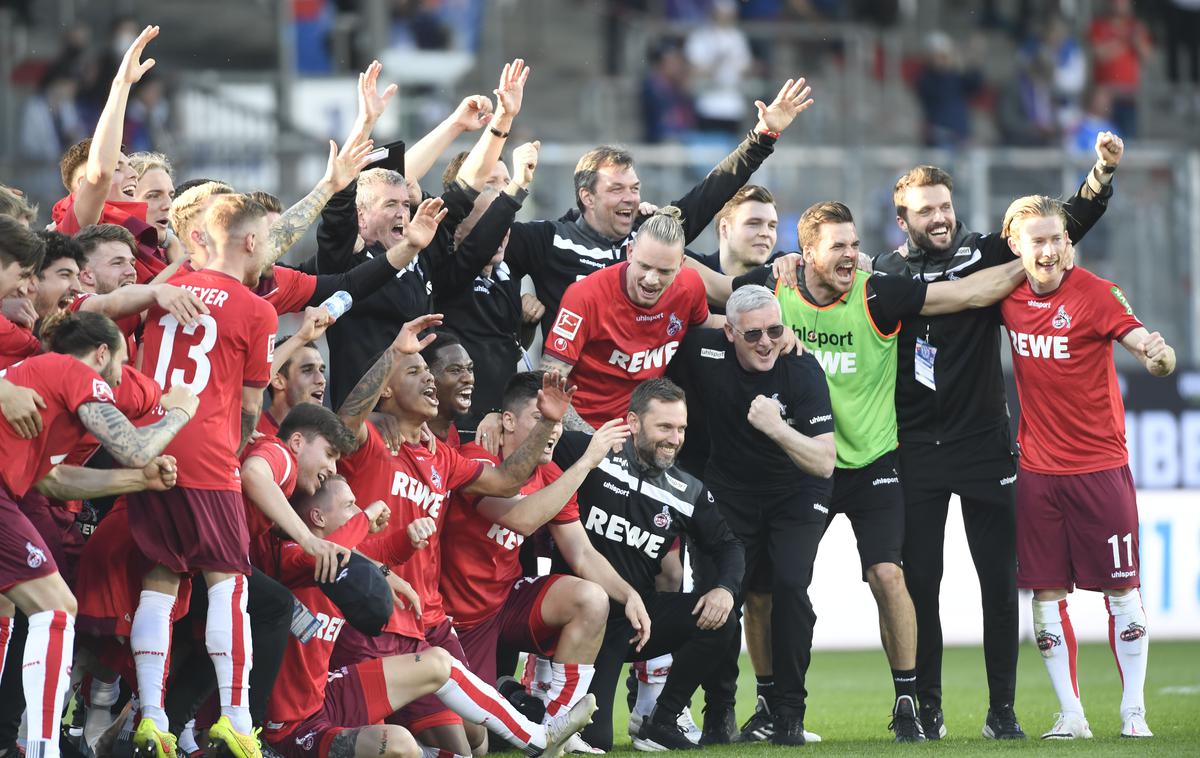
[497, 132]
[1105, 169]
[383, 569]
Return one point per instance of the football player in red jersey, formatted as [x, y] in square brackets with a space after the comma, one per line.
[415, 483]
[623, 324]
[1077, 520]
[74, 386]
[200, 526]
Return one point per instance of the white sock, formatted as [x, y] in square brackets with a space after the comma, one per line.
[1056, 640]
[227, 637]
[473, 700]
[537, 676]
[150, 639]
[1130, 642]
[46, 671]
[437, 752]
[101, 698]
[651, 676]
[568, 683]
[187, 738]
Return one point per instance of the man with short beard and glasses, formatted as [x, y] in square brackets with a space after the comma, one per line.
[633, 506]
[954, 427]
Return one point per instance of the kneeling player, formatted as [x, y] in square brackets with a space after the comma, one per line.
[316, 714]
[491, 602]
[1077, 521]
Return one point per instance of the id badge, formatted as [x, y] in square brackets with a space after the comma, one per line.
[926, 355]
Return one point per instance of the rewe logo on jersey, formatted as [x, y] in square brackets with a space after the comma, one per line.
[619, 529]
[1061, 319]
[657, 357]
[837, 363]
[505, 538]
[418, 492]
[1052, 346]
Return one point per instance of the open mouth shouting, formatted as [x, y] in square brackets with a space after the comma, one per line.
[430, 395]
[845, 271]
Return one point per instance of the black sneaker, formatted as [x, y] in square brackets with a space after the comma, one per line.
[661, 730]
[932, 722]
[720, 725]
[760, 726]
[1001, 724]
[787, 730]
[514, 692]
[904, 722]
[631, 689]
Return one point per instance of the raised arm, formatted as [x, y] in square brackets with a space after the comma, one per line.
[371, 103]
[105, 151]
[812, 455]
[77, 482]
[1089, 202]
[471, 114]
[135, 447]
[483, 156]
[979, 290]
[316, 321]
[525, 515]
[1151, 350]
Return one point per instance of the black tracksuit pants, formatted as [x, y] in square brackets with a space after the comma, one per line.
[981, 470]
[780, 536]
[672, 630]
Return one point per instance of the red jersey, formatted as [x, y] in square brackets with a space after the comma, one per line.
[614, 344]
[137, 397]
[149, 259]
[486, 560]
[414, 483]
[127, 324]
[284, 468]
[1072, 417]
[300, 687]
[287, 290]
[16, 343]
[224, 350]
[65, 383]
[267, 424]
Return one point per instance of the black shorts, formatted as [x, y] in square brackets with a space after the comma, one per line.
[982, 467]
[753, 517]
[873, 500]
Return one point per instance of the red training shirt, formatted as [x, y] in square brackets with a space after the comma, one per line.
[149, 259]
[487, 557]
[1072, 417]
[614, 344]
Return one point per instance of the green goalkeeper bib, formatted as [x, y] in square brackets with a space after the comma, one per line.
[860, 366]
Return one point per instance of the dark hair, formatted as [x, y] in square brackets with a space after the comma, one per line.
[75, 156]
[587, 170]
[19, 245]
[661, 389]
[452, 169]
[17, 206]
[183, 187]
[93, 235]
[921, 176]
[521, 388]
[808, 229]
[59, 246]
[313, 420]
[284, 338]
[80, 332]
[267, 200]
[444, 339]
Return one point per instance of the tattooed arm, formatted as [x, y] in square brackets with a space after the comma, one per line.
[572, 422]
[131, 446]
[252, 400]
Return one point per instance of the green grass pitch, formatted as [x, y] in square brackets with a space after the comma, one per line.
[850, 697]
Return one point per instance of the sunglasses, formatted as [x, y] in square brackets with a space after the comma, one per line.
[754, 335]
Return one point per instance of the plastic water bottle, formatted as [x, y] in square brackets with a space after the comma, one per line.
[338, 303]
[304, 623]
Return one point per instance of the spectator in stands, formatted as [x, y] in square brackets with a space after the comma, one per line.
[944, 87]
[1095, 118]
[1056, 44]
[668, 111]
[147, 120]
[50, 122]
[1183, 37]
[1119, 41]
[1025, 113]
[720, 57]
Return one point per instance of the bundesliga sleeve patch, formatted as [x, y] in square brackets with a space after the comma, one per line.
[102, 392]
[567, 324]
[1120, 296]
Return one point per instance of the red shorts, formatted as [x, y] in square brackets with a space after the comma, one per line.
[518, 624]
[428, 711]
[355, 696]
[23, 553]
[190, 530]
[110, 579]
[1079, 530]
[56, 524]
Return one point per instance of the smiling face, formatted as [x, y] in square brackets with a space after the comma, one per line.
[124, 183]
[109, 266]
[454, 376]
[749, 233]
[316, 460]
[55, 287]
[519, 423]
[304, 379]
[761, 354]
[611, 208]
[156, 190]
[16, 281]
[929, 219]
[386, 214]
[658, 432]
[1041, 241]
[829, 264]
[653, 266]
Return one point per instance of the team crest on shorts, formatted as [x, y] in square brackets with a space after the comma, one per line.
[663, 520]
[674, 325]
[1061, 319]
[35, 557]
[305, 741]
[435, 477]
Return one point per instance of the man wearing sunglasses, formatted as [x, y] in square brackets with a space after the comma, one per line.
[770, 455]
[850, 321]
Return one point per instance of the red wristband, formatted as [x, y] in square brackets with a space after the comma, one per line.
[769, 133]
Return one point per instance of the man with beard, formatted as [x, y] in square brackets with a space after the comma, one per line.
[633, 506]
[954, 427]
